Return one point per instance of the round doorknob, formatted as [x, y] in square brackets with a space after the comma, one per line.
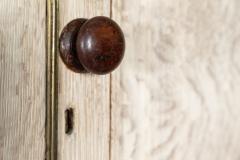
[96, 45]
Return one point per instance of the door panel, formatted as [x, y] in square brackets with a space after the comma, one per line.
[22, 79]
[86, 94]
[176, 94]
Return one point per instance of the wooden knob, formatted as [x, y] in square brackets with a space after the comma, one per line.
[96, 45]
[67, 45]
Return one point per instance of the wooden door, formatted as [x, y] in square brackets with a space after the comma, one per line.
[174, 97]
[22, 79]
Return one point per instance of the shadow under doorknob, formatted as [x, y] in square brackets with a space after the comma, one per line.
[96, 45]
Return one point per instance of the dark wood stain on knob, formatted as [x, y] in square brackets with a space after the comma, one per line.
[67, 45]
[100, 45]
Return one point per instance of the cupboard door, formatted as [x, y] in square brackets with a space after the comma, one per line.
[176, 94]
[84, 98]
[22, 79]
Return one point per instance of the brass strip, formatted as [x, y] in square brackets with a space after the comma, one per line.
[51, 79]
[110, 99]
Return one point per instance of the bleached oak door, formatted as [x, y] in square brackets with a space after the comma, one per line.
[174, 97]
[22, 79]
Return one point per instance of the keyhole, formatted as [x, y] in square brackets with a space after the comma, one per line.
[69, 116]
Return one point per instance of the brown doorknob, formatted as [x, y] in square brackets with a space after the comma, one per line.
[96, 45]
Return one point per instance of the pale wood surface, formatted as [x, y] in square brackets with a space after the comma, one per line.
[22, 79]
[176, 94]
[174, 97]
[88, 95]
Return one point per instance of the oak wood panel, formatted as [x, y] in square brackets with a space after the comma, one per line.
[88, 95]
[176, 94]
[22, 79]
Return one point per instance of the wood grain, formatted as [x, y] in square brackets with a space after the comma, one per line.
[88, 95]
[176, 94]
[22, 79]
